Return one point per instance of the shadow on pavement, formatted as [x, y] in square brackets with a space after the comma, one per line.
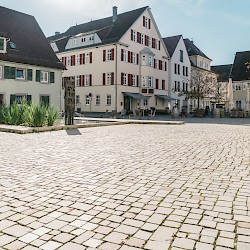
[74, 131]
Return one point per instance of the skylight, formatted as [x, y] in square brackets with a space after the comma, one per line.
[12, 45]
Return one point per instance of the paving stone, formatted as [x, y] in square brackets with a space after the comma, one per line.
[17, 230]
[50, 245]
[225, 242]
[184, 243]
[156, 245]
[72, 246]
[6, 239]
[204, 246]
[163, 233]
[116, 237]
[92, 243]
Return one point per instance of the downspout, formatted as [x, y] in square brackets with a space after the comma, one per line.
[116, 80]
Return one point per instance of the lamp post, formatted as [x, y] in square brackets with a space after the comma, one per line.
[90, 100]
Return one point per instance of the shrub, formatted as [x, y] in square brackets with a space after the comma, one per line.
[52, 116]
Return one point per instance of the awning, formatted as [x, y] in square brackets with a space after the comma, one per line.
[166, 97]
[135, 95]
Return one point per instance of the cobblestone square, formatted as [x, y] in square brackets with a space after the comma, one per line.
[127, 187]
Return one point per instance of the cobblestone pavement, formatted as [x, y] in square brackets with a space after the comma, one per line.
[127, 187]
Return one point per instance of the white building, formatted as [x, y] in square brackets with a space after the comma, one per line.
[29, 68]
[121, 62]
[179, 73]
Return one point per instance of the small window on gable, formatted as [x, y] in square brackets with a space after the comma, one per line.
[12, 45]
[2, 45]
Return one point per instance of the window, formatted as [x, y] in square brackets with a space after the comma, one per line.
[179, 87]
[181, 55]
[145, 102]
[142, 39]
[134, 58]
[186, 71]
[87, 100]
[108, 100]
[20, 74]
[150, 61]
[143, 60]
[175, 85]
[77, 99]
[238, 104]
[77, 59]
[44, 77]
[2, 45]
[175, 68]
[87, 58]
[87, 80]
[124, 79]
[150, 42]
[97, 100]
[134, 80]
[109, 55]
[44, 100]
[68, 61]
[179, 69]
[78, 81]
[1, 72]
[125, 56]
[144, 82]
[108, 78]
[150, 82]
[238, 87]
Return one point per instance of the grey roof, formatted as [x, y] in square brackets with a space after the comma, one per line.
[108, 30]
[171, 43]
[32, 46]
[241, 66]
[222, 71]
[193, 50]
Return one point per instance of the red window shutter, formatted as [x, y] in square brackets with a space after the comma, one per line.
[122, 75]
[137, 81]
[80, 58]
[138, 37]
[64, 60]
[122, 55]
[104, 55]
[149, 23]
[159, 46]
[113, 54]
[90, 57]
[90, 80]
[137, 59]
[112, 78]
[103, 78]
[131, 35]
[71, 61]
[163, 84]
[160, 64]
[155, 63]
[144, 21]
[83, 58]
[83, 80]
[129, 80]
[153, 43]
[129, 56]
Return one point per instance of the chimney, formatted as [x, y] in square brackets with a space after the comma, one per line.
[57, 33]
[114, 13]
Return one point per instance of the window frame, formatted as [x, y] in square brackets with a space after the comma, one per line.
[109, 55]
[134, 80]
[23, 73]
[87, 100]
[181, 55]
[97, 100]
[4, 45]
[1, 72]
[42, 74]
[109, 78]
[125, 79]
[108, 100]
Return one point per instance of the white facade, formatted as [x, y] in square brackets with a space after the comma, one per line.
[180, 71]
[137, 63]
[33, 83]
[241, 95]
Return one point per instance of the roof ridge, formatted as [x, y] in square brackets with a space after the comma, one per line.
[19, 12]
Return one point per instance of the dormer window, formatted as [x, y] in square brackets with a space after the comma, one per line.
[2, 45]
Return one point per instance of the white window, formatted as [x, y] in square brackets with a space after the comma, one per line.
[77, 99]
[1, 72]
[20, 98]
[68, 60]
[109, 55]
[156, 44]
[77, 82]
[142, 39]
[2, 45]
[143, 60]
[97, 100]
[146, 22]
[125, 56]
[134, 80]
[144, 81]
[238, 87]
[44, 76]
[87, 58]
[77, 59]
[150, 82]
[87, 80]
[125, 79]
[145, 102]
[150, 42]
[20, 74]
[87, 100]
[74, 41]
[134, 57]
[134, 36]
[108, 78]
[156, 63]
[108, 100]
[150, 60]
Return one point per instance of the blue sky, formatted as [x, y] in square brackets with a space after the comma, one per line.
[220, 28]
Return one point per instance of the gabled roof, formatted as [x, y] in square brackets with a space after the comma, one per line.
[32, 46]
[171, 43]
[108, 31]
[241, 66]
[193, 50]
[222, 72]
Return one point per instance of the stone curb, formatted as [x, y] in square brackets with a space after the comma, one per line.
[106, 122]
